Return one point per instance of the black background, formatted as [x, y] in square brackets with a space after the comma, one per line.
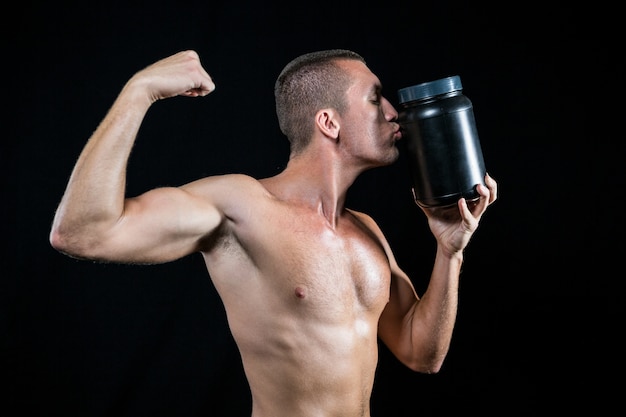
[541, 300]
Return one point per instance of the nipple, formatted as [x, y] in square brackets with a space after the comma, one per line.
[299, 292]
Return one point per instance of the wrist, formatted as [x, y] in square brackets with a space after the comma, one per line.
[137, 93]
[449, 253]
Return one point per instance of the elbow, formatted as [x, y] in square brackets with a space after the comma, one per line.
[69, 243]
[81, 235]
[426, 364]
[62, 242]
[58, 240]
[432, 367]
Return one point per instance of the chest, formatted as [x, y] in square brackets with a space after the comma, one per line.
[323, 268]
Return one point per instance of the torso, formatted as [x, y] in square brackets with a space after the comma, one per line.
[303, 302]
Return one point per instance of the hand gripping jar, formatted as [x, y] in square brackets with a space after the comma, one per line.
[444, 154]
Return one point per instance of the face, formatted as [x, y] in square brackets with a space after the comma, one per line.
[368, 129]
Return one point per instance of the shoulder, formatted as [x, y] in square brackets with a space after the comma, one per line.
[224, 179]
[370, 224]
[224, 185]
[363, 218]
[229, 193]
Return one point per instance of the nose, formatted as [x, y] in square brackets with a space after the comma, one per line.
[390, 112]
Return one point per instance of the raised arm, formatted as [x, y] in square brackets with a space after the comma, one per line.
[94, 219]
[419, 330]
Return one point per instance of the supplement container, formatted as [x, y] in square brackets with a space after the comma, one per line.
[443, 150]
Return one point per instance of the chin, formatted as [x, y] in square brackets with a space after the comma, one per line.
[395, 155]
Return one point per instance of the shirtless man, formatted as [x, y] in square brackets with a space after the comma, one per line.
[308, 285]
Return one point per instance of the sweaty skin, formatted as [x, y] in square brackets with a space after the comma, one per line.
[308, 285]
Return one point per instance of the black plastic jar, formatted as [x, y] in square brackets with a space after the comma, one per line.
[444, 154]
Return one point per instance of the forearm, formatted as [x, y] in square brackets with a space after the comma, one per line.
[422, 340]
[435, 313]
[94, 197]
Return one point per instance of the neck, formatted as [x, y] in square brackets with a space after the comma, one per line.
[315, 181]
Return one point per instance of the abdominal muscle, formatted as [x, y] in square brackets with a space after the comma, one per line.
[308, 349]
[297, 366]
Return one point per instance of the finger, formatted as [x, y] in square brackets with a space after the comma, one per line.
[492, 185]
[207, 85]
[468, 216]
[464, 208]
[190, 93]
[203, 90]
[478, 206]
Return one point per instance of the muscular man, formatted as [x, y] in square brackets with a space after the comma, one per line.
[308, 285]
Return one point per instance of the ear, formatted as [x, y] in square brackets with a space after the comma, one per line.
[327, 121]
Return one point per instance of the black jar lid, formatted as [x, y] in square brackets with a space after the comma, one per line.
[430, 89]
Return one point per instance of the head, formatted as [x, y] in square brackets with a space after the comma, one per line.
[334, 93]
[307, 84]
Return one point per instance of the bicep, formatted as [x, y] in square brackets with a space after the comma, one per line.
[396, 317]
[161, 225]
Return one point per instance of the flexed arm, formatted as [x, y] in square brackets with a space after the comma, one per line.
[94, 219]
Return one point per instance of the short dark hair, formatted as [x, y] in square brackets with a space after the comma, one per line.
[308, 83]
